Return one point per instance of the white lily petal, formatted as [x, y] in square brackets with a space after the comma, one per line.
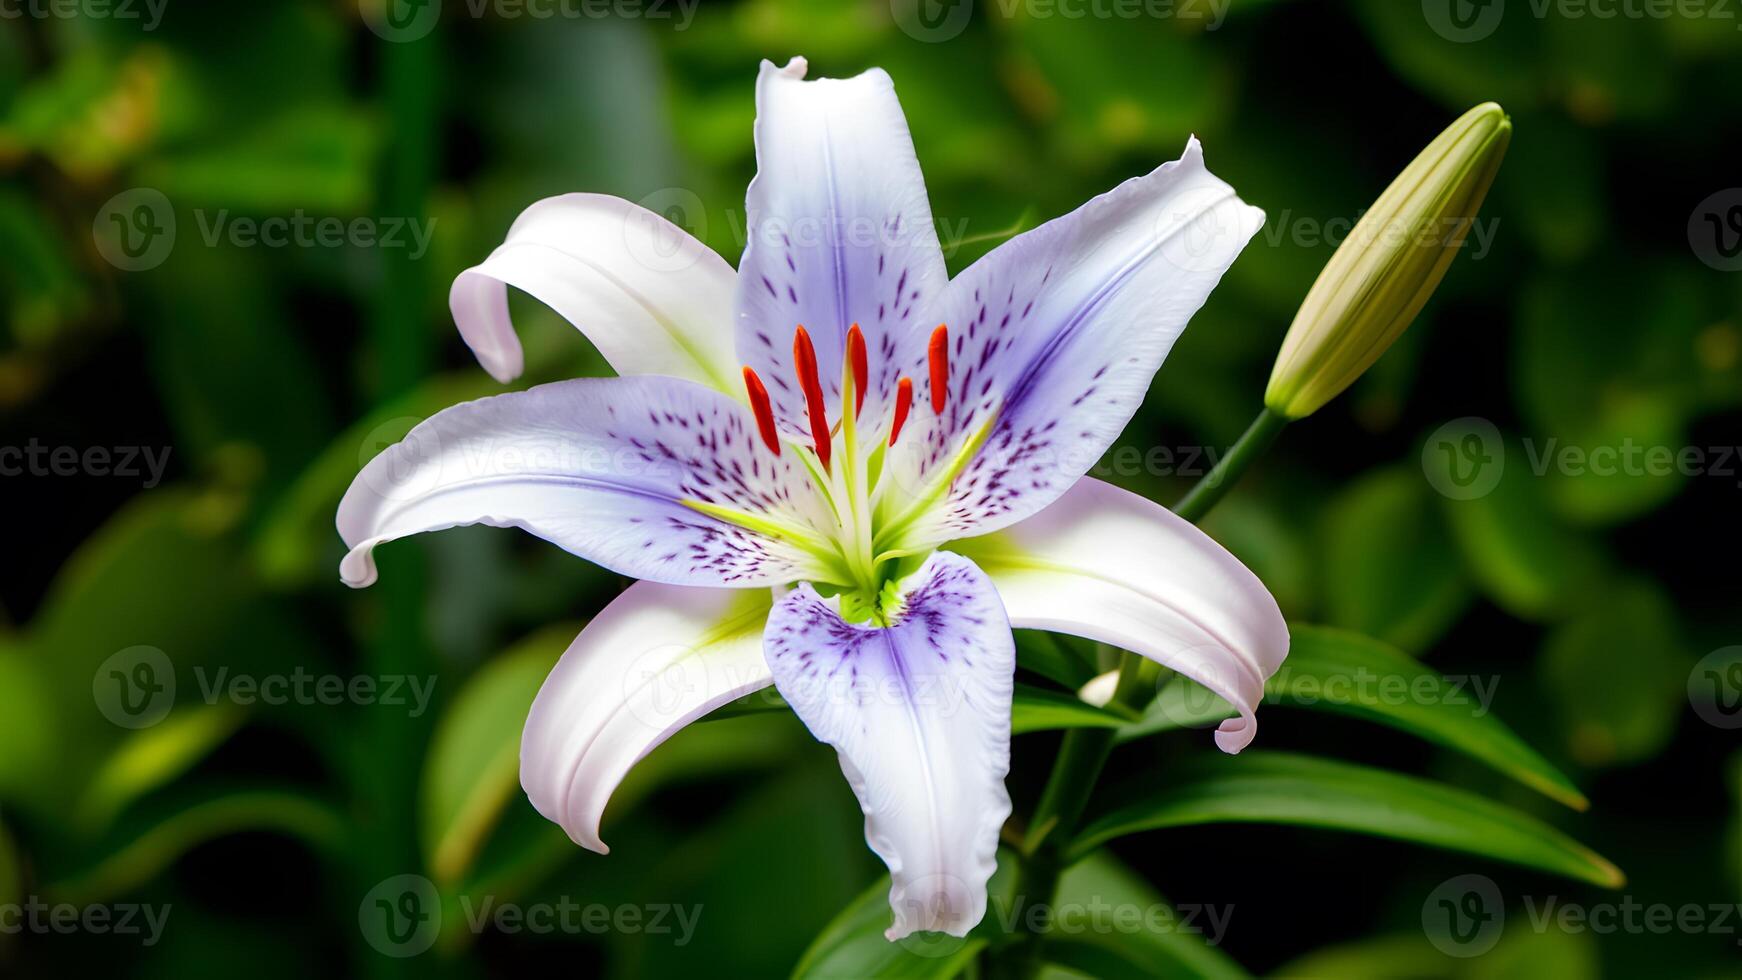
[920, 714]
[632, 473]
[654, 660]
[1114, 567]
[841, 233]
[653, 299]
[1054, 338]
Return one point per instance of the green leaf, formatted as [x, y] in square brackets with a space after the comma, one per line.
[1374, 958]
[1050, 656]
[138, 854]
[11, 870]
[1282, 788]
[1036, 709]
[755, 703]
[316, 158]
[152, 757]
[29, 723]
[128, 586]
[1389, 567]
[1522, 953]
[1618, 675]
[1518, 550]
[1158, 944]
[473, 765]
[43, 289]
[1607, 411]
[297, 534]
[1736, 825]
[1349, 674]
[853, 947]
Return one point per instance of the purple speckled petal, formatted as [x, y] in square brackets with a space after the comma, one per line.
[920, 714]
[840, 232]
[598, 466]
[1058, 332]
[654, 660]
[647, 294]
[1109, 565]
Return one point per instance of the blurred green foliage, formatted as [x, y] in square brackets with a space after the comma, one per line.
[1591, 321]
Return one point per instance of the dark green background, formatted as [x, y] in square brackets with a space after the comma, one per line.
[270, 374]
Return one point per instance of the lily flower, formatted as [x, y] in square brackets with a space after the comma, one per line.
[840, 472]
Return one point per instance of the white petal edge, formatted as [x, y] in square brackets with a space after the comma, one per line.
[652, 298]
[1109, 565]
[656, 659]
[919, 713]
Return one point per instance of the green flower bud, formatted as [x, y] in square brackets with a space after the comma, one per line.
[1384, 272]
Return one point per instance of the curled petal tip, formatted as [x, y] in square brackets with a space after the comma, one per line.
[1235, 734]
[357, 569]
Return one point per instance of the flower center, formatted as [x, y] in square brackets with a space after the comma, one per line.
[853, 490]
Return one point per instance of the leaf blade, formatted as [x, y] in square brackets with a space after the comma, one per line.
[1298, 790]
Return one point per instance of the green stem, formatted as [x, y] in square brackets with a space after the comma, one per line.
[390, 745]
[1083, 753]
[1251, 445]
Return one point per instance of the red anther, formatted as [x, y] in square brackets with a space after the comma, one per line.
[938, 351]
[903, 399]
[861, 366]
[804, 357]
[763, 410]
